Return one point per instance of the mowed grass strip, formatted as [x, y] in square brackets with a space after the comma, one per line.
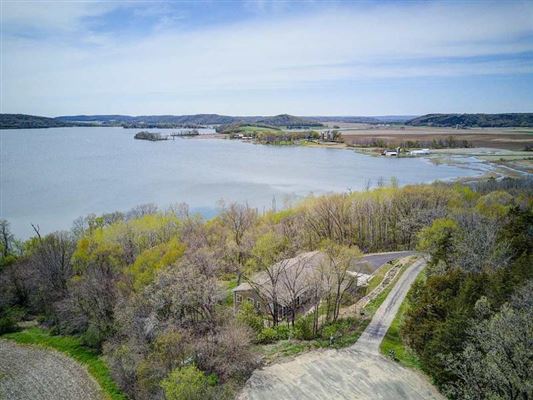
[72, 347]
[392, 342]
[378, 277]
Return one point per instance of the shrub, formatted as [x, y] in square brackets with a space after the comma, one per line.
[330, 331]
[92, 337]
[248, 315]
[303, 328]
[9, 319]
[187, 383]
[267, 335]
[7, 324]
[284, 332]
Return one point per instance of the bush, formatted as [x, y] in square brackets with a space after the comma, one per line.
[267, 335]
[9, 320]
[330, 331]
[92, 337]
[248, 315]
[188, 383]
[303, 328]
[284, 332]
[340, 331]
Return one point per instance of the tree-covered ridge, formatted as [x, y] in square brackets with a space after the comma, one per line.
[284, 120]
[23, 121]
[151, 289]
[474, 120]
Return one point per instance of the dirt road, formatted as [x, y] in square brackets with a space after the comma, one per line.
[376, 330]
[359, 372]
[33, 373]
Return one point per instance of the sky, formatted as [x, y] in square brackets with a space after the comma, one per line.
[266, 57]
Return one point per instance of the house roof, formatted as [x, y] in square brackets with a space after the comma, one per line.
[307, 260]
[292, 275]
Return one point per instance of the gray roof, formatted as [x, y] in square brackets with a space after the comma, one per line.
[293, 275]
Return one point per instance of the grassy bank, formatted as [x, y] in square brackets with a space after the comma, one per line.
[392, 344]
[378, 277]
[72, 347]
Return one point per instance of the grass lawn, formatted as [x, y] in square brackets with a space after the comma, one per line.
[374, 304]
[72, 347]
[393, 341]
[257, 129]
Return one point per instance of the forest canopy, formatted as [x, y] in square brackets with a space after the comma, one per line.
[150, 289]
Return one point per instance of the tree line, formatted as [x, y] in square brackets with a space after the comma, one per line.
[151, 289]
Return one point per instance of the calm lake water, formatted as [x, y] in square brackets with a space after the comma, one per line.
[52, 176]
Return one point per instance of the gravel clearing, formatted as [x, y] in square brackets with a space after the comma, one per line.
[34, 373]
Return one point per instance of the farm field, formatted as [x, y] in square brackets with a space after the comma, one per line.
[500, 138]
[30, 372]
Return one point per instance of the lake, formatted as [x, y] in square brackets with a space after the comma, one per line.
[52, 176]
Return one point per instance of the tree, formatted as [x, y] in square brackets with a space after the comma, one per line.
[227, 353]
[437, 240]
[249, 316]
[187, 383]
[497, 360]
[7, 244]
[339, 260]
[295, 281]
[50, 257]
[6, 238]
[238, 219]
[271, 258]
[478, 244]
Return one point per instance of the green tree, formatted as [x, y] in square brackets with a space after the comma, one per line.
[249, 316]
[187, 383]
[437, 240]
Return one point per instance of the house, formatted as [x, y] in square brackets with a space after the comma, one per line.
[419, 152]
[290, 282]
[391, 152]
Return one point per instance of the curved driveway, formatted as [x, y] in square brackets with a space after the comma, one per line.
[359, 372]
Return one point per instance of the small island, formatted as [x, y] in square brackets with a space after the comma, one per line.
[152, 136]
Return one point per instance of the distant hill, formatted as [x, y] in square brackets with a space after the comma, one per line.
[474, 120]
[96, 118]
[184, 120]
[23, 121]
[365, 120]
[289, 121]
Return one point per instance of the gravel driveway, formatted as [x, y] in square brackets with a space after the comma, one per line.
[359, 372]
[34, 373]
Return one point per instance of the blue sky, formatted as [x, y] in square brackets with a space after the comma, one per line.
[266, 57]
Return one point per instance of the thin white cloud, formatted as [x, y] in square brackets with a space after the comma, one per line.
[364, 43]
[48, 15]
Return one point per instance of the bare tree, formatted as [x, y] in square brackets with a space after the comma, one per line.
[6, 238]
[239, 219]
[338, 277]
[51, 258]
[271, 258]
[295, 282]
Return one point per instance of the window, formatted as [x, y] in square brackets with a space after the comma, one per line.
[238, 299]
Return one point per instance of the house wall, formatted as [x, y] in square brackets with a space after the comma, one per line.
[283, 312]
